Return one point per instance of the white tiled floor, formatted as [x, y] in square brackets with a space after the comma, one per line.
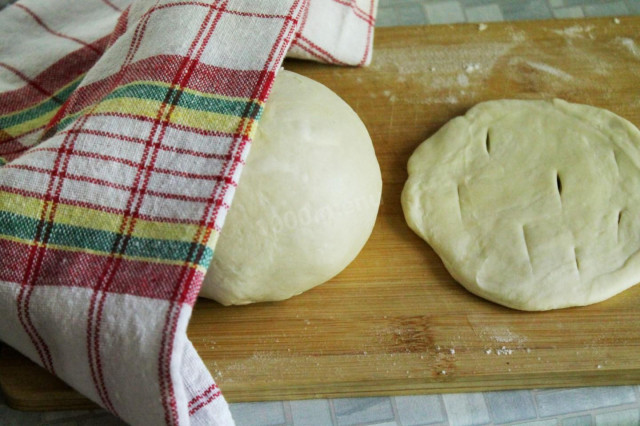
[501, 406]
[466, 409]
[558, 402]
[420, 410]
[616, 405]
[421, 12]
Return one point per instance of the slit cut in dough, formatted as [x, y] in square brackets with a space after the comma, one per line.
[529, 226]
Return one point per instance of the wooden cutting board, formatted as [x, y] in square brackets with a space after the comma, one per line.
[395, 322]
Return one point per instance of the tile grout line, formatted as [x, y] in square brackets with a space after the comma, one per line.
[332, 411]
[534, 393]
[492, 416]
[394, 410]
[614, 409]
[444, 409]
[288, 415]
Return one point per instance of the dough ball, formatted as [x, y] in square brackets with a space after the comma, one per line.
[306, 202]
[531, 204]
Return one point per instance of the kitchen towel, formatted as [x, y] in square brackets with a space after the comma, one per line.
[124, 126]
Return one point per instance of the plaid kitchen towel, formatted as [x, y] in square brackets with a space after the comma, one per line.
[124, 126]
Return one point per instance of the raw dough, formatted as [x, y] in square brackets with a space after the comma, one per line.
[531, 204]
[307, 199]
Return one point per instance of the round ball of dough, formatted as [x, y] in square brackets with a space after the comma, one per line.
[306, 202]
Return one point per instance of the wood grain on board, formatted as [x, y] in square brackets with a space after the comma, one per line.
[395, 322]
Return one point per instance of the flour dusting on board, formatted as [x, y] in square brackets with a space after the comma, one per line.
[576, 31]
[504, 351]
[630, 45]
[550, 70]
[469, 68]
[416, 60]
[504, 340]
[447, 75]
[463, 80]
[500, 334]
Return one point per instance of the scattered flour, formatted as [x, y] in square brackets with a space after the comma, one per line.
[517, 36]
[630, 45]
[451, 100]
[469, 68]
[417, 60]
[576, 31]
[446, 77]
[500, 334]
[504, 351]
[550, 70]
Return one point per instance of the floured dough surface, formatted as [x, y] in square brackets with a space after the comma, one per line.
[531, 204]
[306, 202]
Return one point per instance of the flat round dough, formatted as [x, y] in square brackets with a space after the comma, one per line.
[531, 204]
[306, 202]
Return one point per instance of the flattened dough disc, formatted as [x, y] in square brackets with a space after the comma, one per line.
[531, 204]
